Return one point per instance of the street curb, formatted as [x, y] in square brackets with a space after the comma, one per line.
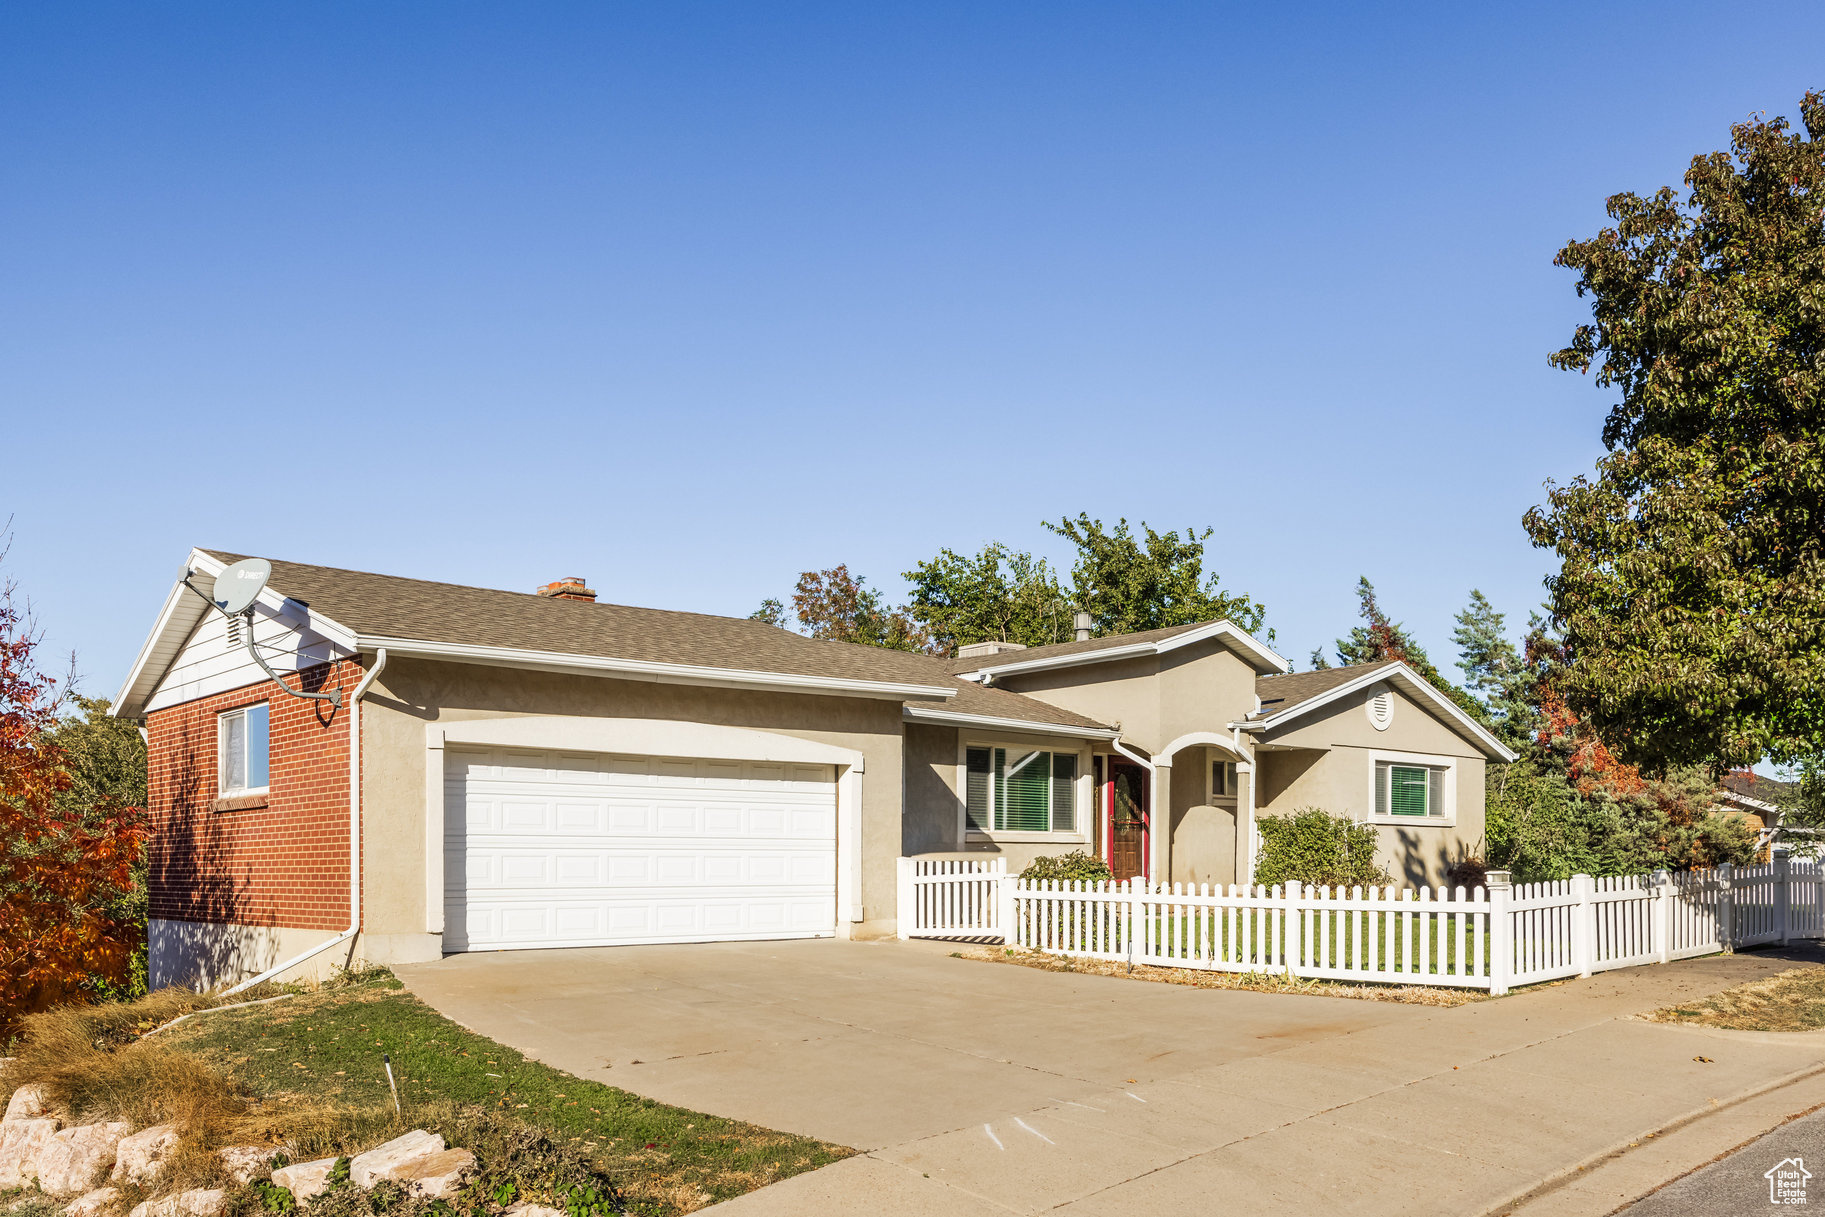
[1582, 1169]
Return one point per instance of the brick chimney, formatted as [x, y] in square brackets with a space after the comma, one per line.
[571, 588]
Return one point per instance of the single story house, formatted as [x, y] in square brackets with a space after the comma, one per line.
[506, 770]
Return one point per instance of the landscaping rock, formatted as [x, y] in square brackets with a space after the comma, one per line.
[139, 1158]
[384, 1161]
[527, 1208]
[78, 1159]
[305, 1179]
[21, 1141]
[197, 1202]
[27, 1103]
[92, 1204]
[246, 1161]
[435, 1175]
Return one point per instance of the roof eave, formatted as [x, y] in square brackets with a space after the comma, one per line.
[633, 669]
[926, 714]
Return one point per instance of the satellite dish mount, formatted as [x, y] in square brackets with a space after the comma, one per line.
[235, 591]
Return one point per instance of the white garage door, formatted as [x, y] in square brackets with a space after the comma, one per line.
[547, 850]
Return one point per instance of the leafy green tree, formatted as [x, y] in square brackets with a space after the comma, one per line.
[105, 759]
[1128, 582]
[771, 611]
[999, 594]
[1691, 590]
[1495, 671]
[835, 605]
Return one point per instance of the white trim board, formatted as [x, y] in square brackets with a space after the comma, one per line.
[926, 714]
[1269, 661]
[1411, 682]
[637, 669]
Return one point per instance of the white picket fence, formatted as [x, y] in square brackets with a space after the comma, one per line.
[1484, 938]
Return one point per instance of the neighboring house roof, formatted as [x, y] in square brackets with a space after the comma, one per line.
[1112, 647]
[457, 623]
[1284, 698]
[1748, 789]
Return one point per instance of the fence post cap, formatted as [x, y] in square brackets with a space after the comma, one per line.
[1498, 879]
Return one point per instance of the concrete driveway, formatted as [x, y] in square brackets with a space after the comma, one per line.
[978, 1088]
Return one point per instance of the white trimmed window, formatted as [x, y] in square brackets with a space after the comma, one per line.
[1015, 789]
[243, 749]
[1414, 790]
[1222, 782]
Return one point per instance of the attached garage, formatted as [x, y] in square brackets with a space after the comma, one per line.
[552, 850]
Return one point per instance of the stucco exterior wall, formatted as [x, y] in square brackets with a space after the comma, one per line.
[1330, 767]
[933, 806]
[934, 801]
[1203, 831]
[1125, 692]
[411, 694]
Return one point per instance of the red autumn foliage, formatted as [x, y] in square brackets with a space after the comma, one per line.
[1591, 766]
[60, 866]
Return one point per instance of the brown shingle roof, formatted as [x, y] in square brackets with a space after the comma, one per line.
[1279, 693]
[394, 607]
[979, 662]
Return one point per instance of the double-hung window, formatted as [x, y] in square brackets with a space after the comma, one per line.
[243, 746]
[1020, 790]
[1411, 790]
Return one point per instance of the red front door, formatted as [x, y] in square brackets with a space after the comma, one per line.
[1125, 803]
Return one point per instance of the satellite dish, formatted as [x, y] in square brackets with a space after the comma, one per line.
[240, 585]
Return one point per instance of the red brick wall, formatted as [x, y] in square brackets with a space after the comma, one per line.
[283, 863]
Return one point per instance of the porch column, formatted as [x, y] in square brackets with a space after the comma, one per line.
[1159, 838]
[1245, 822]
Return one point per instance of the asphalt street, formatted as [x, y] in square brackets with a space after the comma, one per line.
[1738, 1183]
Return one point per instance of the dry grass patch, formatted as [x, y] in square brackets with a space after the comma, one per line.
[1198, 978]
[1793, 1000]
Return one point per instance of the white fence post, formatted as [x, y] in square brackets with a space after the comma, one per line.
[1005, 922]
[1501, 930]
[903, 911]
[1584, 923]
[1783, 896]
[1726, 907]
[1661, 916]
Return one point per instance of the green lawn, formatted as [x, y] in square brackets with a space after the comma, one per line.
[325, 1048]
[1343, 943]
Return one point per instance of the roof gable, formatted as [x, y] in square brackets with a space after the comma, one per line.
[1112, 647]
[1285, 698]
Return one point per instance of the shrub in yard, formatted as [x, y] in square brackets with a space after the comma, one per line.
[1314, 847]
[1072, 866]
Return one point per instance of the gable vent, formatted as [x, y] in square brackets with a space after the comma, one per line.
[1380, 707]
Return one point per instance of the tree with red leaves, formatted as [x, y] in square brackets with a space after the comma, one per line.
[62, 868]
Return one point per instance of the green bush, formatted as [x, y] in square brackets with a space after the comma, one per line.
[1314, 847]
[1074, 865]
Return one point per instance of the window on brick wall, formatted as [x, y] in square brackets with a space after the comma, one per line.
[243, 744]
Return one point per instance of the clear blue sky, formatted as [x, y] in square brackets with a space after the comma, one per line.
[688, 298]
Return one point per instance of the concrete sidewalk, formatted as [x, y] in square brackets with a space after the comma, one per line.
[978, 1088]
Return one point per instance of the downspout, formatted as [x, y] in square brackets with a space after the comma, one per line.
[354, 707]
[1152, 790]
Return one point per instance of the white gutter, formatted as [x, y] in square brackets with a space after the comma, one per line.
[637, 669]
[1153, 790]
[924, 714]
[354, 707]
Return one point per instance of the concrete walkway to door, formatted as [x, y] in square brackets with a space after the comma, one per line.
[978, 1088]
